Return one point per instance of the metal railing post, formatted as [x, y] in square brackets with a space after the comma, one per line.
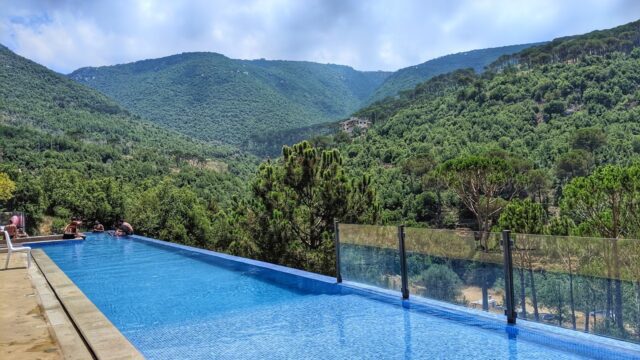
[336, 234]
[403, 263]
[509, 296]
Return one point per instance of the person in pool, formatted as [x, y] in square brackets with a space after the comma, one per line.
[97, 227]
[123, 228]
[71, 230]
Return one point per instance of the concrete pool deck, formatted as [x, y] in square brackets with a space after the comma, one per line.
[25, 332]
[43, 315]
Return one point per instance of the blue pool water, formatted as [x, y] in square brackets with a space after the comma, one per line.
[178, 304]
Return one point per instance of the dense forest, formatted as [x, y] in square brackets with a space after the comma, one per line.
[411, 76]
[269, 143]
[570, 49]
[217, 99]
[563, 120]
[70, 151]
[259, 105]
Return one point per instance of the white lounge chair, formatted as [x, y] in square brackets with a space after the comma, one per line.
[12, 249]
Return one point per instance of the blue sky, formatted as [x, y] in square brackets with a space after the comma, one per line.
[366, 34]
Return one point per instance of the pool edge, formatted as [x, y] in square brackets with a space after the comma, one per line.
[61, 328]
[246, 261]
[102, 337]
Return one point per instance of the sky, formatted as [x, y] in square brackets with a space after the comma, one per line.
[366, 34]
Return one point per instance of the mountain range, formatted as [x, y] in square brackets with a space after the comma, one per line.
[37, 99]
[243, 102]
[217, 99]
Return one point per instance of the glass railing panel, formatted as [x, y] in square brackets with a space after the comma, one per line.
[585, 284]
[369, 255]
[456, 266]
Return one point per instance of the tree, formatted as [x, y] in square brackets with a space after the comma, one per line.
[295, 201]
[554, 107]
[605, 204]
[589, 139]
[524, 217]
[231, 231]
[28, 198]
[538, 184]
[441, 283]
[572, 164]
[591, 288]
[553, 295]
[483, 183]
[7, 187]
[171, 213]
[566, 249]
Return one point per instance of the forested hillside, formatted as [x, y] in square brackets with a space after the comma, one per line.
[68, 151]
[407, 78]
[217, 99]
[570, 49]
[269, 144]
[564, 119]
[73, 152]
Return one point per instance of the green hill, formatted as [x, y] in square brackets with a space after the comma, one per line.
[73, 151]
[269, 143]
[217, 99]
[571, 48]
[407, 78]
[37, 98]
[565, 118]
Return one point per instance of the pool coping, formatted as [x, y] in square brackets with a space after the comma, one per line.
[61, 328]
[554, 336]
[102, 337]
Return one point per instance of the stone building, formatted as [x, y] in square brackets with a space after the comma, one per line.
[354, 122]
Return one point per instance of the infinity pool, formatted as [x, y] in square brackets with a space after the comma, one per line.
[173, 303]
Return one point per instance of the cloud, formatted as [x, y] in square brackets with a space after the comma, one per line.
[369, 35]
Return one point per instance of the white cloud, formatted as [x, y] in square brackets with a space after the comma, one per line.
[368, 35]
